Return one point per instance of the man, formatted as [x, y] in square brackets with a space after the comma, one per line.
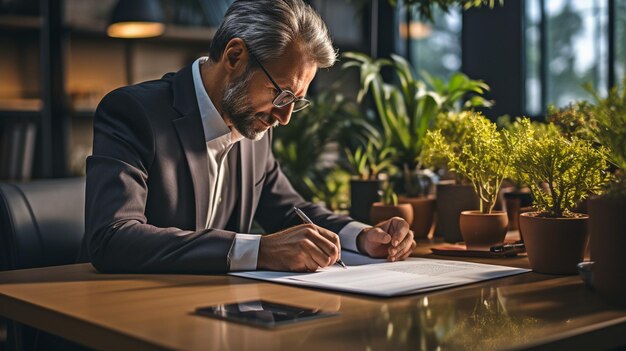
[182, 165]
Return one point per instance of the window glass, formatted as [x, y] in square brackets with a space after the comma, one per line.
[577, 37]
[620, 40]
[532, 34]
[569, 39]
[435, 47]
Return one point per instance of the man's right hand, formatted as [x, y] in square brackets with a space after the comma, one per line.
[303, 248]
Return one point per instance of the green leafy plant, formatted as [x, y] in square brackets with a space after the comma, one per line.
[407, 110]
[453, 127]
[300, 145]
[456, 89]
[484, 156]
[570, 169]
[519, 127]
[333, 190]
[367, 163]
[388, 196]
[609, 129]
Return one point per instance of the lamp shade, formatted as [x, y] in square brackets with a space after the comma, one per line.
[136, 19]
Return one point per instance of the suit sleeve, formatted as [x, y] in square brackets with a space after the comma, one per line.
[119, 239]
[275, 210]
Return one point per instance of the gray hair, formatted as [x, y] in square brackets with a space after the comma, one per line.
[268, 26]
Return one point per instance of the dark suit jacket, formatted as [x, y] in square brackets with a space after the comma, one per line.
[147, 185]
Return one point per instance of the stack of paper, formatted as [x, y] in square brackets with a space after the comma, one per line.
[381, 278]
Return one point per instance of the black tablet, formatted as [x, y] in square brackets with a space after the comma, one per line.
[262, 313]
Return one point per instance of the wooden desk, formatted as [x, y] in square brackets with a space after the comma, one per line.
[146, 312]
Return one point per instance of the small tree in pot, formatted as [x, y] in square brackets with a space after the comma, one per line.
[457, 195]
[519, 199]
[570, 169]
[484, 158]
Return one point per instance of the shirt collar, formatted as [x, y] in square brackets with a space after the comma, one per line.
[212, 123]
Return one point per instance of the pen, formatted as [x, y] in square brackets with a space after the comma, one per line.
[504, 247]
[307, 220]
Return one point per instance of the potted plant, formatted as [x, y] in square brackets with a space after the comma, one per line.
[366, 166]
[407, 110]
[332, 191]
[484, 158]
[570, 169]
[317, 131]
[389, 207]
[453, 195]
[573, 121]
[607, 223]
[518, 198]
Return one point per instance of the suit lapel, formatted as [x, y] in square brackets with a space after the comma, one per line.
[191, 137]
[246, 174]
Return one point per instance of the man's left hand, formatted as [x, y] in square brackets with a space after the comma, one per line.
[391, 239]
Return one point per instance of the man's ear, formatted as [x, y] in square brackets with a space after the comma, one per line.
[235, 56]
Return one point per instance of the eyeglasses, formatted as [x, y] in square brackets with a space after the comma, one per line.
[284, 97]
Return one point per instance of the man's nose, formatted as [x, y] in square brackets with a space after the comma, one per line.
[283, 115]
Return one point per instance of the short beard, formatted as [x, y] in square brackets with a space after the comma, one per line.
[237, 107]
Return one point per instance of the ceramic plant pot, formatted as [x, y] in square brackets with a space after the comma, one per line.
[380, 212]
[554, 245]
[363, 193]
[607, 240]
[423, 214]
[483, 230]
[452, 199]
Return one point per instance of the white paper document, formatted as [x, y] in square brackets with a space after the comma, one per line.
[381, 278]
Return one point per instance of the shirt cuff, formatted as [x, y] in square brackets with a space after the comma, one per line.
[244, 253]
[348, 235]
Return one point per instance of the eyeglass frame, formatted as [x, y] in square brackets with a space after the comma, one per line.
[280, 90]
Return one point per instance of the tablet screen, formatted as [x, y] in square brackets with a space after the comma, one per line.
[262, 313]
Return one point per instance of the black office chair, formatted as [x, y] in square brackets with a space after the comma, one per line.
[41, 224]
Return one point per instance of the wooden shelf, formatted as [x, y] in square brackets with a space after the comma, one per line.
[173, 33]
[21, 105]
[20, 22]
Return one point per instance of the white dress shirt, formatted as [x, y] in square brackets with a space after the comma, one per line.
[220, 139]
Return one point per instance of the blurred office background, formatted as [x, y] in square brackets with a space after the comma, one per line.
[57, 60]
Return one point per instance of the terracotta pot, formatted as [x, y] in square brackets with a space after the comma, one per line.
[607, 238]
[554, 245]
[423, 214]
[483, 230]
[363, 193]
[452, 199]
[380, 212]
[514, 202]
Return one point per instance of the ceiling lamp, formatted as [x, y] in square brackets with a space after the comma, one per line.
[136, 19]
